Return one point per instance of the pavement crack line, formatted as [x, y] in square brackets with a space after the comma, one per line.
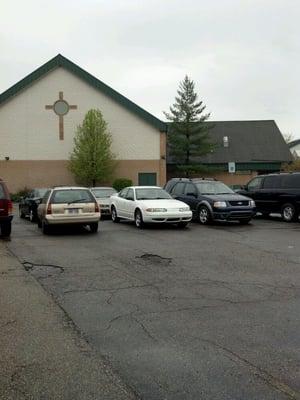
[28, 266]
[114, 290]
[144, 328]
[257, 371]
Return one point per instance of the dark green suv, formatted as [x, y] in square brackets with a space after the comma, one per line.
[212, 200]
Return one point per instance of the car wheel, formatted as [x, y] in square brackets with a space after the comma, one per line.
[6, 229]
[21, 214]
[94, 227]
[114, 215]
[45, 228]
[31, 216]
[204, 216]
[182, 225]
[288, 212]
[138, 219]
[244, 221]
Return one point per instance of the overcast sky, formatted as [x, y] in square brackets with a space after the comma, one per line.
[244, 55]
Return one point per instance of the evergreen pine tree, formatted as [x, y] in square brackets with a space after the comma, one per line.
[188, 136]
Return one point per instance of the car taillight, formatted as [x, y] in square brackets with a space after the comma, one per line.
[49, 209]
[97, 209]
[9, 207]
[6, 207]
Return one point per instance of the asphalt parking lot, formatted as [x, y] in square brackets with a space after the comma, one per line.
[202, 313]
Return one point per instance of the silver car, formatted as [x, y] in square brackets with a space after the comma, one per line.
[68, 205]
[102, 195]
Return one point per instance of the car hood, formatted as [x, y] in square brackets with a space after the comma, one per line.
[226, 197]
[164, 203]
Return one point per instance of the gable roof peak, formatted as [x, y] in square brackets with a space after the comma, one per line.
[60, 61]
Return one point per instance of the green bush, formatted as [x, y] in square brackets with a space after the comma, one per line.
[16, 197]
[121, 183]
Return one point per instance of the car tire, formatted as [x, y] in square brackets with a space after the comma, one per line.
[94, 227]
[182, 225]
[45, 228]
[114, 215]
[6, 229]
[138, 219]
[288, 212]
[245, 221]
[21, 214]
[204, 215]
[32, 217]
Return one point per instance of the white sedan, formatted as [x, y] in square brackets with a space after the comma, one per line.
[149, 204]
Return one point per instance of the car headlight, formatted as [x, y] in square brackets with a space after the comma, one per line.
[252, 203]
[184, 209]
[156, 209]
[220, 204]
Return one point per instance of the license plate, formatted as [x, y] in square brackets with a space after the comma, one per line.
[73, 210]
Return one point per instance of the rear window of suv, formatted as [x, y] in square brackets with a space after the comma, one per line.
[72, 196]
[291, 181]
[2, 194]
[272, 182]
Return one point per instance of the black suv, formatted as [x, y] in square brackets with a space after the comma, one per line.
[211, 200]
[28, 205]
[276, 193]
[6, 210]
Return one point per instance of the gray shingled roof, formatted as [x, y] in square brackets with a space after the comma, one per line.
[249, 142]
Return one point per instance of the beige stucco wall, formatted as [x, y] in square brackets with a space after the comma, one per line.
[30, 132]
[47, 173]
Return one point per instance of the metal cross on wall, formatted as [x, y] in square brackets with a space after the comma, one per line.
[61, 108]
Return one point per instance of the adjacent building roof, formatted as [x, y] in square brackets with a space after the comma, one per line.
[61, 61]
[248, 142]
[294, 143]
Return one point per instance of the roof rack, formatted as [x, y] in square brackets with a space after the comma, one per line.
[194, 179]
[204, 179]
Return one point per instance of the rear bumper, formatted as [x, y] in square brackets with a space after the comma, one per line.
[5, 219]
[233, 215]
[105, 211]
[80, 219]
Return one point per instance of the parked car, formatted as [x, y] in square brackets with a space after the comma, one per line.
[102, 195]
[6, 210]
[68, 205]
[149, 204]
[29, 204]
[212, 200]
[276, 193]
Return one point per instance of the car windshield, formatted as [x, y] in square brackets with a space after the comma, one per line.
[103, 193]
[213, 188]
[72, 196]
[151, 194]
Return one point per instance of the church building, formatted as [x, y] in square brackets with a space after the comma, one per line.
[38, 120]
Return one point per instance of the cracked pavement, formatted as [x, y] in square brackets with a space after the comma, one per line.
[202, 313]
